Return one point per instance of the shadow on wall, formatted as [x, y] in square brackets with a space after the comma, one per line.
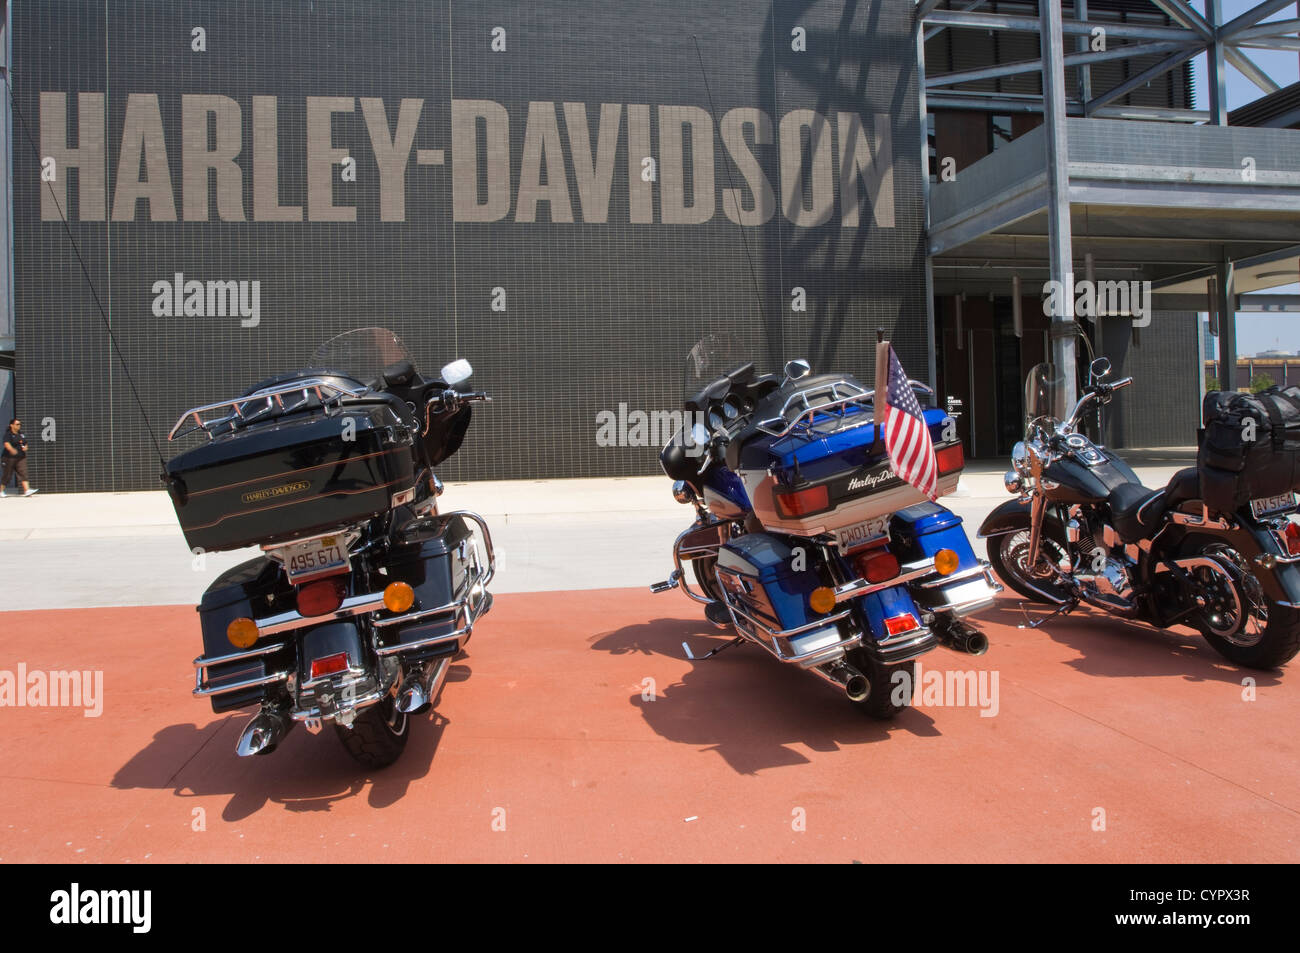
[834, 248]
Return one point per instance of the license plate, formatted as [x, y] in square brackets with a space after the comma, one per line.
[315, 557]
[1272, 504]
[851, 537]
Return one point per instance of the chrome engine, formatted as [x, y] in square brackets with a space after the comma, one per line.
[1103, 568]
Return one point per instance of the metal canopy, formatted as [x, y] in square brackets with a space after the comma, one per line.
[1194, 34]
[1199, 211]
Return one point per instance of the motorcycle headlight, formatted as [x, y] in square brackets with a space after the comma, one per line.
[682, 492]
[1019, 456]
[1012, 481]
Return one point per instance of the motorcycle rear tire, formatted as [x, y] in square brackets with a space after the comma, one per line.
[378, 734]
[1278, 645]
[880, 704]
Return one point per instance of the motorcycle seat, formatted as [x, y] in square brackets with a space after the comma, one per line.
[1137, 511]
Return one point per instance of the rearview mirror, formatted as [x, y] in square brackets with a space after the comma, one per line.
[457, 372]
[1099, 368]
[797, 369]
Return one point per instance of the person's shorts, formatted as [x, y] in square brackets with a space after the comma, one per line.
[14, 465]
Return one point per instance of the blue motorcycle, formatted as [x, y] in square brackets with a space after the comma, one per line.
[805, 542]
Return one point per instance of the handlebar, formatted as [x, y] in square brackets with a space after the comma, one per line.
[1095, 392]
[450, 400]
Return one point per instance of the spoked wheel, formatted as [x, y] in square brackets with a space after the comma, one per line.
[889, 693]
[378, 734]
[1237, 619]
[1009, 555]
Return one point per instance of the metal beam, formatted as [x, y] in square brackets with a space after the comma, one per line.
[925, 6]
[1084, 76]
[1141, 79]
[1188, 17]
[1151, 113]
[1271, 43]
[1254, 303]
[1251, 17]
[1016, 23]
[1225, 299]
[1058, 194]
[1125, 52]
[972, 100]
[935, 31]
[1218, 72]
[1276, 28]
[1251, 70]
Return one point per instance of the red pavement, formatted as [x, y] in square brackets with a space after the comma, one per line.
[542, 730]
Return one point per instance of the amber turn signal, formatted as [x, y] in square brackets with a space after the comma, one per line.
[242, 633]
[398, 597]
[822, 599]
[945, 562]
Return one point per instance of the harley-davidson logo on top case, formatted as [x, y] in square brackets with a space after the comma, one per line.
[875, 478]
[275, 492]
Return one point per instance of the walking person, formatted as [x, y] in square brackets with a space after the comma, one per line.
[15, 458]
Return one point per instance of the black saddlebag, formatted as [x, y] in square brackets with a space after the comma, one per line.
[293, 477]
[241, 591]
[1249, 447]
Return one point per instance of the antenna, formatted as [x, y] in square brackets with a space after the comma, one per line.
[726, 164]
[103, 316]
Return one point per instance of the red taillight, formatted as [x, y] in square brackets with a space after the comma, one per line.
[901, 623]
[802, 502]
[950, 459]
[320, 598]
[1292, 534]
[877, 566]
[328, 665]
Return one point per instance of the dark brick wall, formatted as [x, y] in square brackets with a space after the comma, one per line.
[597, 312]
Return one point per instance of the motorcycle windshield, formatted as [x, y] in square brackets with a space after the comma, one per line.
[1044, 392]
[362, 353]
[712, 356]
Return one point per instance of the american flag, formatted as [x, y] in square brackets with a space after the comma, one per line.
[907, 438]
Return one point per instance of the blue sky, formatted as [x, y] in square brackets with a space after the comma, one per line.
[1256, 332]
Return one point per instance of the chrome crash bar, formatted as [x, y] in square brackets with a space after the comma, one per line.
[469, 607]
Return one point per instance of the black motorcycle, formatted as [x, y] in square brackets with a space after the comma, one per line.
[364, 592]
[1085, 529]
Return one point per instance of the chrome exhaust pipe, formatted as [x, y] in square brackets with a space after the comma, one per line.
[261, 735]
[845, 677]
[422, 691]
[959, 637]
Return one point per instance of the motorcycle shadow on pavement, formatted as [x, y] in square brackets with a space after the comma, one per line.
[304, 773]
[1112, 647]
[742, 703]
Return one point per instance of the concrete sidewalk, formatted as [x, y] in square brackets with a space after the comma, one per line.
[81, 550]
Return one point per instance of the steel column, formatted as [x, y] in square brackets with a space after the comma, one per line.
[1218, 75]
[1224, 304]
[1058, 194]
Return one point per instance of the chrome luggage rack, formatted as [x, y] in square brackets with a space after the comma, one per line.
[853, 395]
[326, 391]
[843, 395]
